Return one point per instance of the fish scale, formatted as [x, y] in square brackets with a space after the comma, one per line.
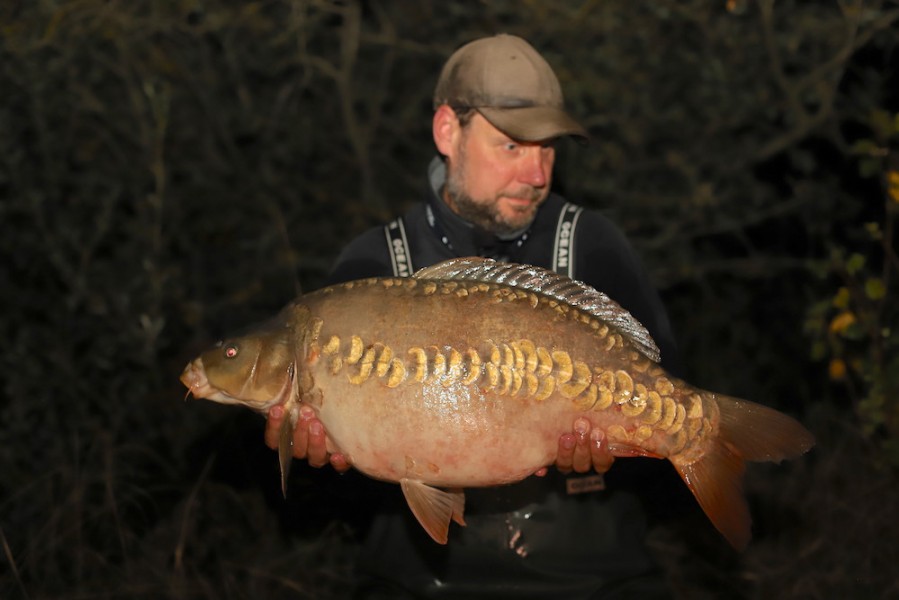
[408, 375]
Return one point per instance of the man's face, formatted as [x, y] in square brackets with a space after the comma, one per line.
[496, 182]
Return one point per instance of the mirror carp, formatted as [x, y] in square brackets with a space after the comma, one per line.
[408, 375]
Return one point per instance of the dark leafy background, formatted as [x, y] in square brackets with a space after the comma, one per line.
[171, 170]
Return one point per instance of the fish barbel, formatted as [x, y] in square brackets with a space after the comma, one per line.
[408, 375]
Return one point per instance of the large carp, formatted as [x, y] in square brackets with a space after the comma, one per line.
[467, 373]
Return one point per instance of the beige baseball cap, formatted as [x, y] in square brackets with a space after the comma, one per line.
[511, 85]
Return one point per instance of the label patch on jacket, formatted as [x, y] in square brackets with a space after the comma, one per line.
[585, 484]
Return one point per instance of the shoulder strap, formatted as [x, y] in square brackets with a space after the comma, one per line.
[398, 248]
[563, 249]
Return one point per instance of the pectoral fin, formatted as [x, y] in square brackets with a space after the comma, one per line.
[285, 450]
[433, 507]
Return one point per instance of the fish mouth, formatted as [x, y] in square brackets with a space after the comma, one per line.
[194, 377]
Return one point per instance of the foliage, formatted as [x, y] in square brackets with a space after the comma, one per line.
[857, 328]
[171, 170]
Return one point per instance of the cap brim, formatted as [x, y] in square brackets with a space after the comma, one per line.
[534, 123]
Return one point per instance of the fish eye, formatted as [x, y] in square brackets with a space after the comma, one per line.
[231, 351]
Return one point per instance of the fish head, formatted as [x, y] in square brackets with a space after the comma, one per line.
[256, 369]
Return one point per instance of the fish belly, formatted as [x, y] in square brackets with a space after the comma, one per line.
[453, 436]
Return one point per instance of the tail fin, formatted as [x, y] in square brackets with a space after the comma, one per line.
[747, 431]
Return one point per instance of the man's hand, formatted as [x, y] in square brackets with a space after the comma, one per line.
[309, 438]
[582, 449]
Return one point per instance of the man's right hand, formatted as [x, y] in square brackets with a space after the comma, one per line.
[309, 438]
[583, 449]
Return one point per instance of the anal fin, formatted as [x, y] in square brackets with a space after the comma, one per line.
[434, 508]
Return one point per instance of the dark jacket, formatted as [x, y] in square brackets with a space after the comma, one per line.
[530, 539]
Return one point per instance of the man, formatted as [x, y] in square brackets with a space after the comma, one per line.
[498, 111]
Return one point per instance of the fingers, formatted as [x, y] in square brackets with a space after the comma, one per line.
[273, 426]
[574, 450]
[565, 456]
[309, 439]
[340, 462]
[583, 449]
[600, 455]
[581, 461]
[312, 431]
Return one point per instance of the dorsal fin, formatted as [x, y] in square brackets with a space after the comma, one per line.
[549, 283]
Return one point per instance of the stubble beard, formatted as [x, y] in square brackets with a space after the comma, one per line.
[485, 213]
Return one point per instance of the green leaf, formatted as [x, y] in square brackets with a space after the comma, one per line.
[873, 229]
[855, 263]
[841, 299]
[875, 289]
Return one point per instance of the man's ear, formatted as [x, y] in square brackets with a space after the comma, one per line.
[446, 130]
